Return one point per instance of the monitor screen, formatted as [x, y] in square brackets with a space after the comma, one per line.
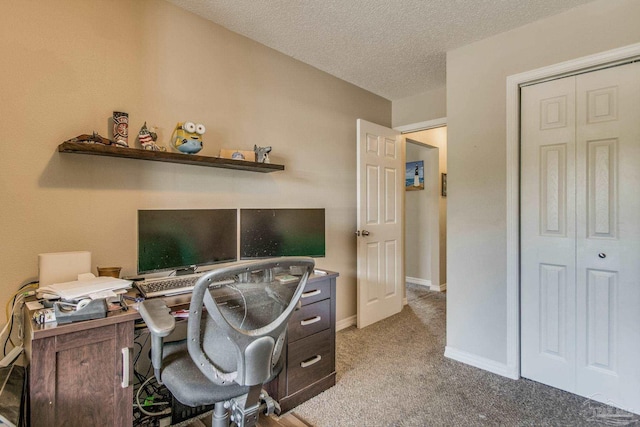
[178, 239]
[281, 232]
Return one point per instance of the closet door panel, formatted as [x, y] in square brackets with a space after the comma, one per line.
[608, 235]
[548, 233]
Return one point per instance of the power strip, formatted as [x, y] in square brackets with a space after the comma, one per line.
[11, 356]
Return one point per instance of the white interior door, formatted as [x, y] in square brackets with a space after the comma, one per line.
[380, 222]
[580, 235]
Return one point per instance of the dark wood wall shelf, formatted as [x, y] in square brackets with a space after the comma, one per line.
[166, 156]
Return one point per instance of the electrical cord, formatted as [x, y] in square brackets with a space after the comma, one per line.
[14, 301]
[12, 298]
[6, 341]
[9, 326]
[144, 411]
[141, 341]
[138, 352]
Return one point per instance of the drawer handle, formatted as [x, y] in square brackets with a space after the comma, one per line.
[126, 367]
[311, 361]
[310, 321]
[311, 293]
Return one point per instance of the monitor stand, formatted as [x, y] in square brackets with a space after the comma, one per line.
[267, 276]
[185, 271]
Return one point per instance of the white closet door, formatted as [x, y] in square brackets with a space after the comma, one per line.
[580, 235]
[608, 235]
[548, 236]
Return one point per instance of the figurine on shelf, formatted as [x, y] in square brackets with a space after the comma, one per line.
[148, 139]
[262, 154]
[94, 138]
[187, 137]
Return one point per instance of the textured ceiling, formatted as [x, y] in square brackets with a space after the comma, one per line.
[393, 48]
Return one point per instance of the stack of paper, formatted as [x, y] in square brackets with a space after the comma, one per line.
[84, 288]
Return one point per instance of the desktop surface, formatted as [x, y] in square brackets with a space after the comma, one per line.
[175, 302]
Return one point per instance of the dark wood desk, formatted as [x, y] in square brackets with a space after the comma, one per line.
[76, 370]
[310, 366]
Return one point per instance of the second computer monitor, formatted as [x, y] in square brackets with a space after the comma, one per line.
[268, 233]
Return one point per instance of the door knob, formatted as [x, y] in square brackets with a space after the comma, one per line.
[365, 233]
[602, 255]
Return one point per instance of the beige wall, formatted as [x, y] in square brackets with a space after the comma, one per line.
[476, 119]
[418, 261]
[424, 106]
[67, 64]
[417, 252]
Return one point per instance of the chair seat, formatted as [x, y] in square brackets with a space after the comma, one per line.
[186, 382]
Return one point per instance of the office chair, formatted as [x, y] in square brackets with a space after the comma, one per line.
[235, 336]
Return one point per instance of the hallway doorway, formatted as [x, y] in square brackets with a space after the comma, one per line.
[425, 211]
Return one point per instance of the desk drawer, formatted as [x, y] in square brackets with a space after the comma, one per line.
[309, 360]
[315, 291]
[310, 319]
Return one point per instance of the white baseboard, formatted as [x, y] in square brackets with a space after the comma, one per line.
[427, 283]
[440, 288]
[483, 363]
[345, 323]
[417, 281]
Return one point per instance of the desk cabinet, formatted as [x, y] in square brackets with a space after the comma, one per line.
[75, 376]
[76, 370]
[310, 356]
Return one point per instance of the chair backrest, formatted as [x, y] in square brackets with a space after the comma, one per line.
[238, 318]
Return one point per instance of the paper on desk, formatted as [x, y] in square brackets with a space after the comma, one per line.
[82, 288]
[102, 294]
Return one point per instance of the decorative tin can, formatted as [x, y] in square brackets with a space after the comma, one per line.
[121, 128]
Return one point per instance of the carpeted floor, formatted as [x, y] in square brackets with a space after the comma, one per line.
[394, 373]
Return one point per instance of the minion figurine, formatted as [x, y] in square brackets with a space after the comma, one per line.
[187, 137]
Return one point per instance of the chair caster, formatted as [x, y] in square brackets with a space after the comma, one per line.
[269, 404]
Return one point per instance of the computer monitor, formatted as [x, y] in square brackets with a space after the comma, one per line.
[183, 239]
[268, 233]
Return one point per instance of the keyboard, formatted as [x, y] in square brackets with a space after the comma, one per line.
[167, 286]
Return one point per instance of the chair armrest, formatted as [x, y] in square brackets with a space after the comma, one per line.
[157, 316]
[161, 323]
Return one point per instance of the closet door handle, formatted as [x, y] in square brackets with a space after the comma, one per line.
[602, 255]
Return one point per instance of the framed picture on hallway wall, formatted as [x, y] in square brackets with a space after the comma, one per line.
[443, 182]
[414, 176]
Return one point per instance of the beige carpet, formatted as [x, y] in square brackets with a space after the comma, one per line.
[289, 419]
[393, 373]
